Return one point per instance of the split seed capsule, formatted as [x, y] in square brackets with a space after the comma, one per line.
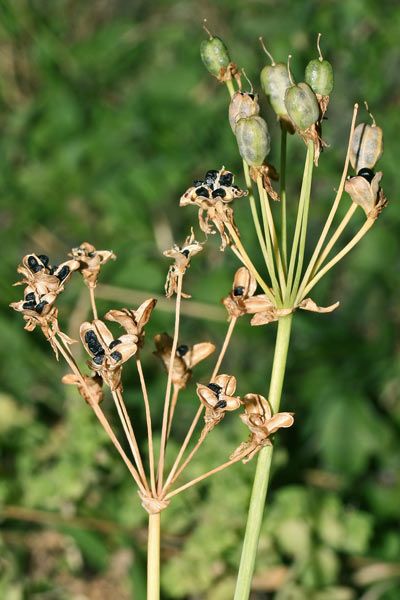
[243, 104]
[366, 146]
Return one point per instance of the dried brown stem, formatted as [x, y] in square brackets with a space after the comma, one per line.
[183, 448]
[148, 422]
[160, 469]
[208, 474]
[129, 433]
[172, 409]
[227, 339]
[93, 302]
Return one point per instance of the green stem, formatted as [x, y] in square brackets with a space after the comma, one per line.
[261, 478]
[302, 246]
[153, 558]
[282, 193]
[299, 222]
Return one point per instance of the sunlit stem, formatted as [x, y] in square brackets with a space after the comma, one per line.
[247, 261]
[220, 358]
[335, 236]
[100, 415]
[333, 210]
[270, 234]
[93, 302]
[130, 436]
[304, 223]
[153, 557]
[293, 255]
[261, 479]
[172, 409]
[367, 225]
[160, 469]
[187, 439]
[148, 423]
[254, 214]
[231, 89]
[282, 194]
[208, 474]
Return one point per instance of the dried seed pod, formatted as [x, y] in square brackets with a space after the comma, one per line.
[366, 146]
[253, 139]
[319, 74]
[275, 81]
[242, 105]
[301, 104]
[214, 54]
[367, 193]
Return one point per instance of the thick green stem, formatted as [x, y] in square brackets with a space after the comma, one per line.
[261, 478]
[153, 558]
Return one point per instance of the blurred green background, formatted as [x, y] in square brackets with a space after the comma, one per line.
[107, 115]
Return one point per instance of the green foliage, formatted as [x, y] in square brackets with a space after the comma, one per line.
[107, 115]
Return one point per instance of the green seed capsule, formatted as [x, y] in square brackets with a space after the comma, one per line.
[366, 146]
[275, 81]
[302, 105]
[243, 104]
[214, 55]
[253, 140]
[319, 74]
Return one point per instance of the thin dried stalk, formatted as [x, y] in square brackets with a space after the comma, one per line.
[148, 423]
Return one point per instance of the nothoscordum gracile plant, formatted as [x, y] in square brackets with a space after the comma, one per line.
[272, 294]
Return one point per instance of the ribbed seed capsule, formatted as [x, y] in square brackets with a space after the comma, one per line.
[214, 54]
[243, 104]
[319, 74]
[366, 146]
[253, 140]
[275, 81]
[302, 105]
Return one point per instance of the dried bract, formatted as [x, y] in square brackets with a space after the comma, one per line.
[185, 357]
[182, 258]
[90, 388]
[244, 286]
[90, 261]
[108, 354]
[266, 312]
[367, 194]
[217, 399]
[133, 321]
[258, 418]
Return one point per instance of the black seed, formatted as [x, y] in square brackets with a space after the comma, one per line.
[114, 343]
[197, 182]
[203, 191]
[29, 305]
[220, 404]
[182, 350]
[116, 355]
[226, 179]
[63, 273]
[91, 254]
[368, 174]
[210, 177]
[219, 192]
[185, 253]
[98, 359]
[34, 265]
[251, 96]
[217, 389]
[238, 290]
[53, 269]
[30, 296]
[39, 307]
[93, 342]
[44, 259]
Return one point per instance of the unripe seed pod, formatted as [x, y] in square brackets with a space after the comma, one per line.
[214, 54]
[243, 104]
[319, 74]
[275, 81]
[302, 105]
[253, 140]
[366, 146]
